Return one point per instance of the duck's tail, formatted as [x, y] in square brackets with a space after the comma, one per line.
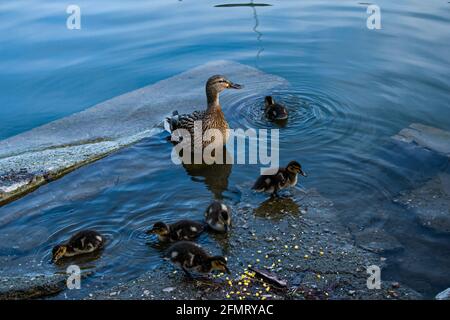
[169, 122]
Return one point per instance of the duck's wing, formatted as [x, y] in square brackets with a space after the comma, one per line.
[264, 183]
[267, 182]
[276, 112]
[186, 229]
[183, 121]
[281, 112]
[194, 230]
[85, 239]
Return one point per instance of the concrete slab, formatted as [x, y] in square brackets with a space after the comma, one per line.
[38, 156]
[425, 136]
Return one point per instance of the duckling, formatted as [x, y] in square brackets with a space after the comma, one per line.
[274, 111]
[180, 230]
[191, 257]
[218, 216]
[85, 241]
[212, 117]
[284, 178]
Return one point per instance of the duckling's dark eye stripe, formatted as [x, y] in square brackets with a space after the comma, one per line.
[218, 81]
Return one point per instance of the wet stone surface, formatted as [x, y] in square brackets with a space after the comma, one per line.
[297, 241]
[31, 287]
[425, 136]
[431, 203]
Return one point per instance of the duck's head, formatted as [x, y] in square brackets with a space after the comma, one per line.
[160, 229]
[218, 216]
[268, 101]
[58, 252]
[296, 168]
[219, 263]
[219, 83]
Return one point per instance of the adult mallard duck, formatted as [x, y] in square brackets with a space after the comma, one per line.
[283, 178]
[211, 118]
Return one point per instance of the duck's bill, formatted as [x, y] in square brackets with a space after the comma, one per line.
[227, 270]
[235, 86]
[150, 231]
[303, 173]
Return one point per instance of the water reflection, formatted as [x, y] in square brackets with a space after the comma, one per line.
[277, 208]
[215, 176]
[255, 17]
[250, 4]
[85, 261]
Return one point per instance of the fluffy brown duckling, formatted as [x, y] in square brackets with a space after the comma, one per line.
[180, 230]
[274, 111]
[218, 216]
[85, 241]
[284, 178]
[190, 257]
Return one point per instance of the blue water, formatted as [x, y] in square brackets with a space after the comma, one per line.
[357, 87]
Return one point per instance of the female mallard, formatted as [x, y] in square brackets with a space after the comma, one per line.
[211, 118]
[284, 178]
[274, 111]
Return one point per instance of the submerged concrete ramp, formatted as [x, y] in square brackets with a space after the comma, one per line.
[431, 138]
[33, 158]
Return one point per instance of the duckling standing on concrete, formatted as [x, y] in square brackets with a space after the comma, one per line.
[192, 258]
[218, 216]
[284, 178]
[180, 230]
[212, 117]
[85, 241]
[274, 111]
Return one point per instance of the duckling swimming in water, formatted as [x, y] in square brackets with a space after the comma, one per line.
[212, 117]
[274, 111]
[85, 241]
[218, 216]
[284, 178]
[180, 230]
[191, 257]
